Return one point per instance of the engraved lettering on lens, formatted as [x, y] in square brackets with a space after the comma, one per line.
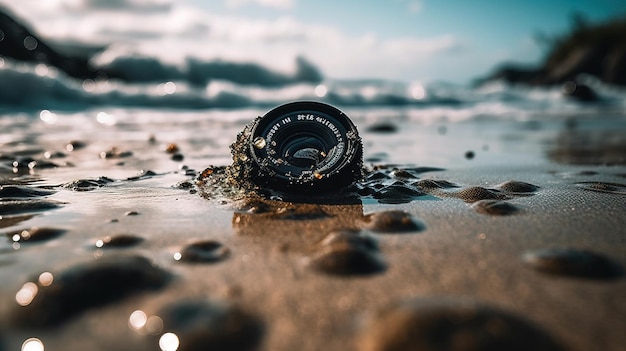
[299, 147]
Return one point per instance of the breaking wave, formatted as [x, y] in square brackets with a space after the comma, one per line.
[229, 85]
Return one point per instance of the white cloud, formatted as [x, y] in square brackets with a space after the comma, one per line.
[185, 31]
[277, 4]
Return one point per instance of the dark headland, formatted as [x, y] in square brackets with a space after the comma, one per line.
[595, 49]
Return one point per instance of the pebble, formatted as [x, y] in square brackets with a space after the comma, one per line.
[446, 324]
[393, 221]
[469, 155]
[206, 251]
[172, 149]
[22, 192]
[382, 128]
[397, 194]
[435, 184]
[602, 187]
[36, 234]
[476, 193]
[144, 174]
[494, 207]
[26, 206]
[119, 241]
[131, 213]
[572, 262]
[87, 184]
[513, 186]
[403, 174]
[211, 325]
[75, 145]
[347, 252]
[70, 292]
[114, 152]
[352, 237]
[346, 260]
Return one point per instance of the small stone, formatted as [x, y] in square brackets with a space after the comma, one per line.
[352, 237]
[119, 241]
[513, 186]
[178, 157]
[211, 325]
[115, 152]
[494, 207]
[131, 213]
[393, 221]
[82, 287]
[401, 173]
[572, 262]
[438, 324]
[434, 184]
[172, 149]
[207, 251]
[384, 127]
[75, 145]
[36, 234]
[469, 155]
[476, 193]
[344, 259]
[21, 192]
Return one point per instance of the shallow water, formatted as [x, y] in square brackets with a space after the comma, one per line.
[109, 181]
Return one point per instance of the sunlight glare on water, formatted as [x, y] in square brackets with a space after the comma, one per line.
[46, 279]
[32, 344]
[321, 90]
[26, 294]
[169, 342]
[137, 320]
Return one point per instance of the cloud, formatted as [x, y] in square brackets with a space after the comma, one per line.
[184, 32]
[277, 4]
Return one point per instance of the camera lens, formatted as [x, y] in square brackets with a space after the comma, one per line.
[300, 147]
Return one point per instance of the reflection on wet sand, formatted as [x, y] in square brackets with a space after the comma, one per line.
[575, 146]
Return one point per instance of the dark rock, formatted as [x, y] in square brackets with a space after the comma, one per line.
[476, 193]
[513, 186]
[20, 44]
[207, 251]
[578, 91]
[83, 287]
[36, 234]
[494, 207]
[26, 206]
[592, 49]
[119, 241]
[87, 184]
[209, 325]
[385, 127]
[21, 192]
[345, 259]
[393, 221]
[439, 324]
[573, 262]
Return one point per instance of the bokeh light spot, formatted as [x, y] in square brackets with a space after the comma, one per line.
[46, 279]
[321, 90]
[137, 320]
[26, 294]
[169, 342]
[30, 43]
[32, 344]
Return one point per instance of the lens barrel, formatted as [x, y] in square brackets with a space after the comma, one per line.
[299, 147]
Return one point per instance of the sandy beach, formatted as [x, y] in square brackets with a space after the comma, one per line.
[491, 235]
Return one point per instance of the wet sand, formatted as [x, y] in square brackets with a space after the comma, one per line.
[507, 249]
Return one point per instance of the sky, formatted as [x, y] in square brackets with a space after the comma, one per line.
[402, 40]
